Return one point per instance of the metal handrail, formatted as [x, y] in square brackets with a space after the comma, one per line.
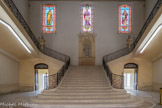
[126, 50]
[54, 79]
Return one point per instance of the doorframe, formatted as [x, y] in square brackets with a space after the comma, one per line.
[36, 67]
[135, 67]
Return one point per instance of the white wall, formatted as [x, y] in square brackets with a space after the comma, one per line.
[9, 74]
[157, 74]
[149, 6]
[22, 6]
[68, 26]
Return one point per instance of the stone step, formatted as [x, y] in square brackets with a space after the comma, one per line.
[85, 77]
[91, 81]
[88, 83]
[85, 74]
[86, 101]
[84, 94]
[85, 88]
[79, 78]
[83, 91]
[136, 104]
[84, 85]
[84, 82]
[85, 97]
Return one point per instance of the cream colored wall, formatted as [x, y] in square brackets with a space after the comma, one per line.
[9, 74]
[144, 70]
[157, 74]
[27, 71]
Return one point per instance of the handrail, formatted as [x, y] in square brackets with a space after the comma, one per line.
[126, 50]
[46, 51]
[52, 81]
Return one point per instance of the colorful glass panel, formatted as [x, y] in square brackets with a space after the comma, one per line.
[49, 19]
[124, 19]
[87, 18]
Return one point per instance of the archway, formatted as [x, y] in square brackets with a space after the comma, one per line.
[41, 76]
[131, 76]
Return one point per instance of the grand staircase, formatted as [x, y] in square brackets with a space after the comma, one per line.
[87, 87]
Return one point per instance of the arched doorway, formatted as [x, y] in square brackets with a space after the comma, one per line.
[41, 76]
[131, 76]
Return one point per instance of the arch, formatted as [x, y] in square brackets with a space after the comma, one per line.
[41, 66]
[130, 65]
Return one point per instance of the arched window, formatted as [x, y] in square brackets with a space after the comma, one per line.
[49, 19]
[124, 23]
[87, 11]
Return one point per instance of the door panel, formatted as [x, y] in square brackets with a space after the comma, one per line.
[36, 80]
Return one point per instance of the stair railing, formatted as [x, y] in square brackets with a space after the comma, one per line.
[46, 51]
[54, 79]
[126, 50]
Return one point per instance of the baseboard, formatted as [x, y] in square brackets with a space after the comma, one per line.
[8, 88]
[156, 86]
[26, 88]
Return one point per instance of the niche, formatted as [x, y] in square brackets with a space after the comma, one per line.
[86, 49]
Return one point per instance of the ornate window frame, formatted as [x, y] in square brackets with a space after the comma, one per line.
[53, 18]
[91, 17]
[129, 10]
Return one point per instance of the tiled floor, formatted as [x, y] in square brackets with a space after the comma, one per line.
[148, 95]
[17, 100]
[23, 99]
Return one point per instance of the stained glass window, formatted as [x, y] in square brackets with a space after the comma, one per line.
[124, 19]
[49, 19]
[87, 11]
